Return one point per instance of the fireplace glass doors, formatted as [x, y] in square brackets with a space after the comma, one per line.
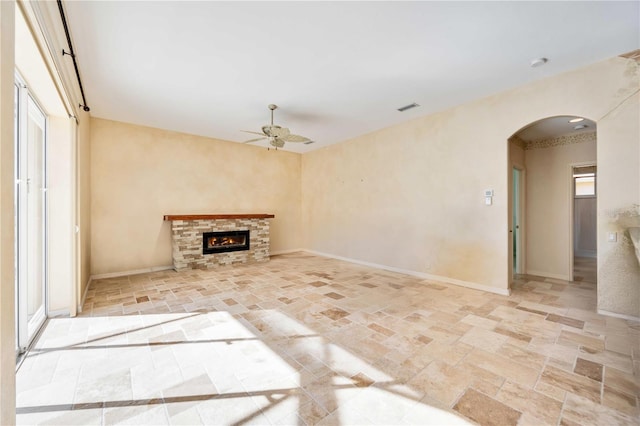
[221, 242]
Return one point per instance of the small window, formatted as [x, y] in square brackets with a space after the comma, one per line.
[585, 184]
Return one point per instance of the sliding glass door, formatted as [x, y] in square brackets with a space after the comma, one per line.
[30, 215]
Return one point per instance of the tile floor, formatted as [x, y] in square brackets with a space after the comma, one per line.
[309, 340]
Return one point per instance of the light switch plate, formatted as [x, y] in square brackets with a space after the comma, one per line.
[612, 237]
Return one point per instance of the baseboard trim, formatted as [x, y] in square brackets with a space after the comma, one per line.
[276, 253]
[622, 316]
[469, 284]
[84, 295]
[60, 313]
[447, 280]
[548, 275]
[132, 272]
[432, 277]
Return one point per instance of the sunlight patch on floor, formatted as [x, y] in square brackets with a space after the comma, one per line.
[209, 368]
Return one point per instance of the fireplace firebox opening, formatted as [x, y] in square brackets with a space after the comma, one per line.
[222, 242]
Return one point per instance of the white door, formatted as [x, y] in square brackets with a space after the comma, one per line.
[30, 215]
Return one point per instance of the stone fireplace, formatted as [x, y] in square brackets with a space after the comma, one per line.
[209, 241]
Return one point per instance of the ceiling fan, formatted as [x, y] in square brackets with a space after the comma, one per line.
[276, 135]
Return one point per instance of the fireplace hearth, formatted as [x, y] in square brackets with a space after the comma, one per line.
[225, 241]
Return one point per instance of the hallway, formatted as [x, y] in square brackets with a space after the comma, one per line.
[585, 269]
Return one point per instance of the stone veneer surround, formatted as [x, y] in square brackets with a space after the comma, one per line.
[186, 238]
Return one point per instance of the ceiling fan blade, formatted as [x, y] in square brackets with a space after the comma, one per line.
[254, 140]
[280, 132]
[295, 138]
[255, 133]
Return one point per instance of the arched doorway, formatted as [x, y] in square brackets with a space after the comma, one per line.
[549, 222]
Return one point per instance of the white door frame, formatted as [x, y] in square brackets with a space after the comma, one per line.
[510, 226]
[26, 330]
[520, 250]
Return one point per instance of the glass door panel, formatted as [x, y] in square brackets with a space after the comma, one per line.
[30, 214]
[35, 217]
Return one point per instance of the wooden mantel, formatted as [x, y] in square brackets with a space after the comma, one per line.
[218, 216]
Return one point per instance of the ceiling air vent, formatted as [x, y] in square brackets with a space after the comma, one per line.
[308, 142]
[406, 107]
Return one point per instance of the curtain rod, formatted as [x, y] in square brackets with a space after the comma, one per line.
[73, 55]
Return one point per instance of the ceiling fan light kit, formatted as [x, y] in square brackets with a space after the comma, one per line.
[276, 135]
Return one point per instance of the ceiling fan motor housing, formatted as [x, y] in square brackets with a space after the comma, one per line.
[271, 130]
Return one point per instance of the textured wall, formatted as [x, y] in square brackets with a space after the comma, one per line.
[7, 183]
[410, 196]
[60, 216]
[140, 174]
[84, 199]
[619, 206]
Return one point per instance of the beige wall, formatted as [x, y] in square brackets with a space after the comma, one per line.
[60, 217]
[549, 194]
[140, 174]
[619, 207]
[516, 155]
[410, 196]
[84, 201]
[68, 206]
[7, 182]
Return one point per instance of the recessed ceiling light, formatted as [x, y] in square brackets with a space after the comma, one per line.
[580, 126]
[576, 120]
[538, 62]
[406, 107]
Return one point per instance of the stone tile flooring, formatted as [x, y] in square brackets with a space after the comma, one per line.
[309, 340]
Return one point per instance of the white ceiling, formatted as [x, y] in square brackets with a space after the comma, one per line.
[335, 69]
